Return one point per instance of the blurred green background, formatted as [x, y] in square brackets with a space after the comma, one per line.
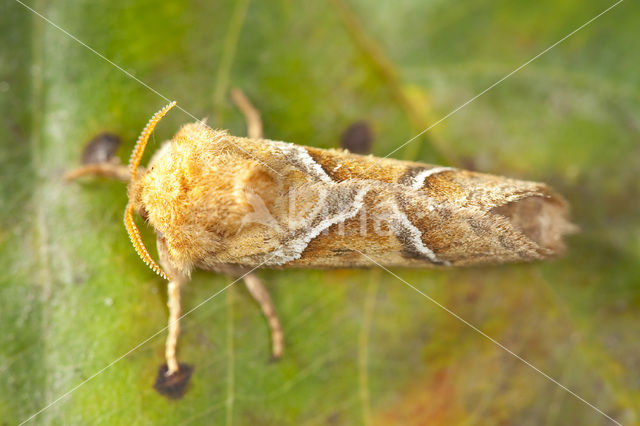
[361, 346]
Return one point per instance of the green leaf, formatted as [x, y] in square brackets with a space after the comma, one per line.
[361, 346]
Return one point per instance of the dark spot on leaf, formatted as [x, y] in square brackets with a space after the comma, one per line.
[175, 385]
[101, 148]
[357, 138]
[333, 419]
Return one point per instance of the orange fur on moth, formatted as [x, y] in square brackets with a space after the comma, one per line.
[230, 205]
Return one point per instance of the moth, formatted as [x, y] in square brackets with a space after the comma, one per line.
[231, 205]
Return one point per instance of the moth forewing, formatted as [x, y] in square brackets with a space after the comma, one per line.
[249, 202]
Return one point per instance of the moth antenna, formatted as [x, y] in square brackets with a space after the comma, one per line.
[136, 240]
[138, 151]
[134, 163]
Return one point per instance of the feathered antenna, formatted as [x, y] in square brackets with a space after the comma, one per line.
[136, 155]
[134, 163]
[136, 239]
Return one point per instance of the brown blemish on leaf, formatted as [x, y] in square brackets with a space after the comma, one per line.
[426, 402]
[357, 138]
[101, 148]
[175, 385]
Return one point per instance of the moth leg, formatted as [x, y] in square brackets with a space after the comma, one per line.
[261, 295]
[251, 114]
[110, 170]
[173, 292]
[252, 281]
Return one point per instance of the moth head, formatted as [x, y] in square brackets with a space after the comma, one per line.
[134, 204]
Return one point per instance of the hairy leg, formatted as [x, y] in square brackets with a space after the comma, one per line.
[177, 280]
[111, 170]
[261, 295]
[252, 281]
[251, 114]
